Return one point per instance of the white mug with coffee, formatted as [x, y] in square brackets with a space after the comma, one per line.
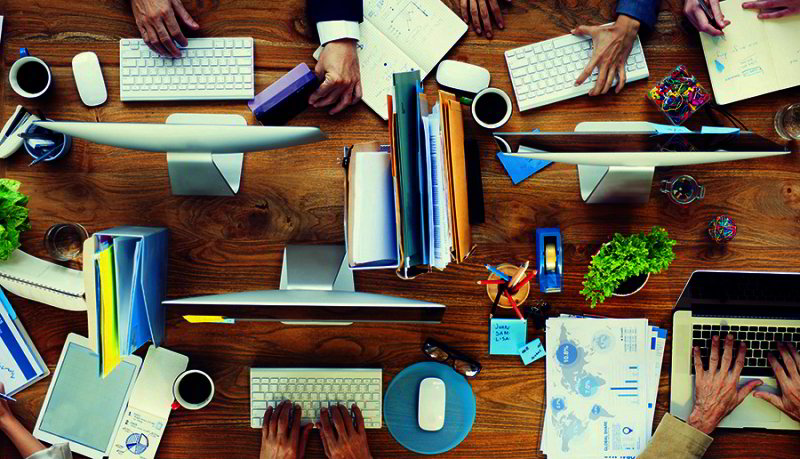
[193, 389]
[491, 108]
[30, 77]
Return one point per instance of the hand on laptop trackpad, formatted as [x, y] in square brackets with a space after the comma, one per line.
[754, 412]
[770, 385]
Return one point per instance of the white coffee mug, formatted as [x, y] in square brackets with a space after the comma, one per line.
[188, 405]
[13, 73]
[506, 117]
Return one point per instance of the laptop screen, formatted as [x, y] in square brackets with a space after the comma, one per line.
[742, 294]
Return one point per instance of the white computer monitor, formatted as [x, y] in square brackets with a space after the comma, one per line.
[618, 166]
[205, 153]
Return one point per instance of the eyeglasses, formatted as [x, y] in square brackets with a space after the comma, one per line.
[441, 353]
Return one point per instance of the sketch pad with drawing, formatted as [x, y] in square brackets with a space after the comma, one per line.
[400, 36]
[81, 407]
[754, 57]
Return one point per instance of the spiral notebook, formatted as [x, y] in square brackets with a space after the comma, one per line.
[39, 280]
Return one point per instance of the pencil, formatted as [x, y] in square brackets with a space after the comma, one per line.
[520, 284]
[498, 273]
[519, 274]
[491, 282]
[514, 305]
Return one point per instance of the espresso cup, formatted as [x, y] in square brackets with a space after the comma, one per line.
[491, 108]
[193, 389]
[30, 77]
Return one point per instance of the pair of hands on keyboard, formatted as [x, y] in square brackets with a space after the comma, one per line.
[157, 21]
[341, 437]
[717, 392]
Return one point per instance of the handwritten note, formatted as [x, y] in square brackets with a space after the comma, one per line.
[532, 351]
[506, 336]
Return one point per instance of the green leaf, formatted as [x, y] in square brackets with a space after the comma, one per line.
[624, 257]
[13, 217]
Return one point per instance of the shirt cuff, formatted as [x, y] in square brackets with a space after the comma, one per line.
[337, 30]
[646, 12]
[674, 438]
[54, 452]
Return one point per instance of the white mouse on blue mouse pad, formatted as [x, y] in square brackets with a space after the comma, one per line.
[431, 404]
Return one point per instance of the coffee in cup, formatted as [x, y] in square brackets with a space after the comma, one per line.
[29, 76]
[491, 108]
[193, 389]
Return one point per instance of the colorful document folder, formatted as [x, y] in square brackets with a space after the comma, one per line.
[127, 280]
[425, 214]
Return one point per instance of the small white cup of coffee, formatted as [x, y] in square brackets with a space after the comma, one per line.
[29, 76]
[193, 389]
[491, 108]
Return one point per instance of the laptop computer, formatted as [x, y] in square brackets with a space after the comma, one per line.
[761, 308]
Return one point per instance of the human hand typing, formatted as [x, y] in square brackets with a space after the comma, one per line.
[612, 45]
[694, 12]
[788, 380]
[716, 393]
[340, 439]
[279, 439]
[482, 11]
[340, 74]
[157, 21]
[773, 9]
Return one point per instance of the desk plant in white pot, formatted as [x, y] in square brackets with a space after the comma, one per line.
[623, 265]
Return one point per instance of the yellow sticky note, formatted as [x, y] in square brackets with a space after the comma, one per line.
[205, 319]
[109, 334]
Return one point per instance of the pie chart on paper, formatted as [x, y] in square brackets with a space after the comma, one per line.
[137, 443]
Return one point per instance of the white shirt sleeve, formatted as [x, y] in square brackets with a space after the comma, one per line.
[336, 30]
[54, 452]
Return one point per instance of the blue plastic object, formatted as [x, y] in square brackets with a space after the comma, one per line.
[400, 409]
[550, 280]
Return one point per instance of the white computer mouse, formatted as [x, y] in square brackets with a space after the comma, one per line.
[89, 79]
[430, 413]
[462, 76]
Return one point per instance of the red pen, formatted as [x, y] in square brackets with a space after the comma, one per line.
[514, 305]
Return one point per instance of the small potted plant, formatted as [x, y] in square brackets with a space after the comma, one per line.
[13, 217]
[623, 265]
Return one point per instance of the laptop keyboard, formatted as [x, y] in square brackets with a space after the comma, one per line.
[760, 341]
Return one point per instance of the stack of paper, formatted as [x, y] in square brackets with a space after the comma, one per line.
[602, 382]
[126, 279]
[20, 362]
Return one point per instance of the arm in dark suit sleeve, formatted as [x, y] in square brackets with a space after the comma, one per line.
[335, 10]
[645, 11]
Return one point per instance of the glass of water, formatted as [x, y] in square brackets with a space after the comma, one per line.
[787, 122]
[64, 241]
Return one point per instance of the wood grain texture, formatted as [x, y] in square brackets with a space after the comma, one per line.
[295, 195]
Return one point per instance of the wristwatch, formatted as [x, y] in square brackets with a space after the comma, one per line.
[683, 189]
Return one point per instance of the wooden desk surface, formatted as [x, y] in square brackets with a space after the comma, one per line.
[295, 195]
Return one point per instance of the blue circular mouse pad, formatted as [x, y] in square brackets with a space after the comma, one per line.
[402, 399]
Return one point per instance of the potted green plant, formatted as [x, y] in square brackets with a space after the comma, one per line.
[623, 265]
[13, 217]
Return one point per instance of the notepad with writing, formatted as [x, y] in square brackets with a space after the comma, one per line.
[400, 36]
[754, 56]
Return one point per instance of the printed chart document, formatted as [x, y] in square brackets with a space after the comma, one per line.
[20, 362]
[400, 36]
[598, 371]
[754, 57]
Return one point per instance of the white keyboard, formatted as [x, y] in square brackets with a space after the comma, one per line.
[208, 69]
[545, 72]
[317, 388]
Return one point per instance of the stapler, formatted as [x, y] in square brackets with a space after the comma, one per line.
[549, 259]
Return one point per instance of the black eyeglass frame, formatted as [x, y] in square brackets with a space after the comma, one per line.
[453, 356]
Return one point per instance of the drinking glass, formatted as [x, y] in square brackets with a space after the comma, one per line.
[787, 122]
[64, 241]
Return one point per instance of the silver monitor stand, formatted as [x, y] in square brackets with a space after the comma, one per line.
[205, 174]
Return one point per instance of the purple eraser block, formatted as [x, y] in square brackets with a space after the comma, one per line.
[287, 84]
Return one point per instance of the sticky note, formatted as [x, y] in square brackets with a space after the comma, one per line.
[521, 168]
[532, 351]
[669, 129]
[506, 336]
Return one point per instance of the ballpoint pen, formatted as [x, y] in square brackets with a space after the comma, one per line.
[498, 273]
[8, 397]
[45, 155]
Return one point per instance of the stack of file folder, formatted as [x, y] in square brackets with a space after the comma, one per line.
[406, 204]
[125, 271]
[602, 382]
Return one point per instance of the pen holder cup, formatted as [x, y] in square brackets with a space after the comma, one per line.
[35, 152]
[519, 297]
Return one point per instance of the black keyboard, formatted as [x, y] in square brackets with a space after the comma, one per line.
[760, 342]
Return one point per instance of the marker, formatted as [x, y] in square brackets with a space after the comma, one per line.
[498, 273]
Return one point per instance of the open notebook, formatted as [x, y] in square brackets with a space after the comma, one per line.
[399, 36]
[754, 57]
